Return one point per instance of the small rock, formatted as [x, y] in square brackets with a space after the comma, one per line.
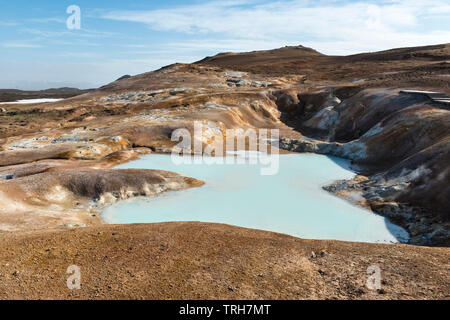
[7, 176]
[2, 110]
[381, 291]
[313, 254]
[333, 101]
[235, 74]
[323, 254]
[176, 91]
[116, 139]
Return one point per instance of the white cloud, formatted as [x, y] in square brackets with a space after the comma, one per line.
[48, 20]
[8, 24]
[82, 33]
[20, 45]
[335, 27]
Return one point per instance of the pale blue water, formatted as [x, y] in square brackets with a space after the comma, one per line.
[290, 202]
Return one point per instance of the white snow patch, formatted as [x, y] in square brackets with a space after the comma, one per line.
[29, 101]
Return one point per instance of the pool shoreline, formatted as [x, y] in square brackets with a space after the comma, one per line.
[165, 200]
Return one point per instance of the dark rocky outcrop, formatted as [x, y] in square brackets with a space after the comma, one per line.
[124, 77]
[401, 141]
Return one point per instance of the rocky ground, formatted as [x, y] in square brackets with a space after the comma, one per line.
[57, 159]
[210, 261]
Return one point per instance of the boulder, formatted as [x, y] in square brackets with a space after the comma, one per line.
[286, 103]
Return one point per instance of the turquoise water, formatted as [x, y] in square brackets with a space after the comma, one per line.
[291, 201]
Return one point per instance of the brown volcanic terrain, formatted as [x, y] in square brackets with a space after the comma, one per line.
[211, 261]
[416, 67]
[56, 173]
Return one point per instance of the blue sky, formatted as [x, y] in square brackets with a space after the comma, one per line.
[38, 51]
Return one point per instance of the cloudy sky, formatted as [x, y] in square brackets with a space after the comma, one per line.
[38, 51]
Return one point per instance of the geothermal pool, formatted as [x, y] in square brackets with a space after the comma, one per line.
[291, 201]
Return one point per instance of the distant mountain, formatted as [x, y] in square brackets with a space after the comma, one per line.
[390, 67]
[11, 95]
[419, 67]
[254, 57]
